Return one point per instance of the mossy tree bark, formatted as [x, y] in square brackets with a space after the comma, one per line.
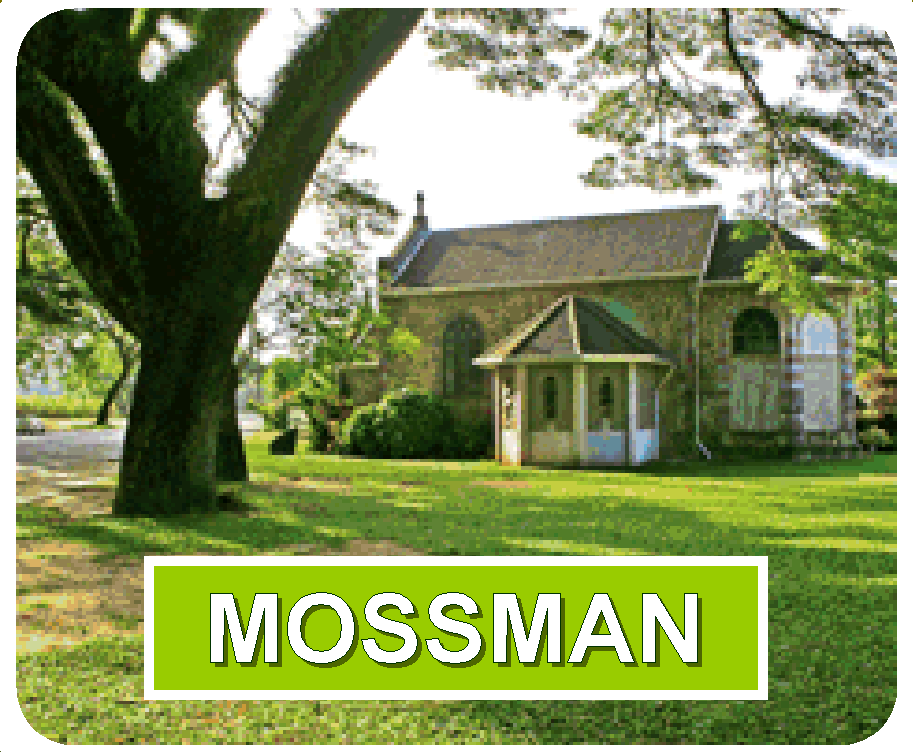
[177, 270]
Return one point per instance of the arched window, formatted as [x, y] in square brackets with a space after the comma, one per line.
[754, 396]
[819, 348]
[756, 332]
[462, 343]
[606, 396]
[549, 396]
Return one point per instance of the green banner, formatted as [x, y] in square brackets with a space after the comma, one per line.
[492, 627]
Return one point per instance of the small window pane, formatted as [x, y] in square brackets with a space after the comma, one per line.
[756, 332]
[549, 394]
[606, 397]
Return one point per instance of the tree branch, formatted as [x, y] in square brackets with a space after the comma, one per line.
[157, 157]
[751, 85]
[219, 36]
[797, 26]
[315, 90]
[86, 219]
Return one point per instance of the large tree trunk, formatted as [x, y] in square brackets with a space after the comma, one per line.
[178, 423]
[231, 465]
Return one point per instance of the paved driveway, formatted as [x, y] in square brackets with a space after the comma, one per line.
[67, 448]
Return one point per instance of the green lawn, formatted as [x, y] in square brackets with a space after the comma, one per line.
[829, 530]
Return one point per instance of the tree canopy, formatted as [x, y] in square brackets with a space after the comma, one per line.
[680, 92]
[62, 331]
[178, 270]
[677, 93]
[860, 227]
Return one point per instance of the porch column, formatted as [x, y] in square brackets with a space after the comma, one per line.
[521, 412]
[656, 411]
[580, 444]
[632, 410]
[496, 389]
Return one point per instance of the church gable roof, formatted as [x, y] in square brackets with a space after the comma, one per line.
[665, 241]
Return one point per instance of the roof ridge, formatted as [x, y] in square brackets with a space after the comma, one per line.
[581, 217]
[672, 239]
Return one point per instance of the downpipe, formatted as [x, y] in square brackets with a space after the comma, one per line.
[697, 372]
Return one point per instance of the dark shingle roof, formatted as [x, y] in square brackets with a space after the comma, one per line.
[576, 326]
[669, 240]
[729, 255]
[601, 333]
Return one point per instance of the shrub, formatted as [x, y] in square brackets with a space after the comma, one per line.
[57, 406]
[876, 437]
[879, 390]
[406, 424]
[274, 414]
[470, 440]
[320, 437]
[414, 424]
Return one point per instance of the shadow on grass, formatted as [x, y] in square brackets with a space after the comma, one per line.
[832, 621]
[879, 463]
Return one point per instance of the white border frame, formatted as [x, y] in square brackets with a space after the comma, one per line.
[151, 562]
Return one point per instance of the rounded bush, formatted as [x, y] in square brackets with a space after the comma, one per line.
[407, 424]
[470, 440]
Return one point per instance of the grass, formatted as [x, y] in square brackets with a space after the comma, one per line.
[57, 406]
[76, 424]
[829, 530]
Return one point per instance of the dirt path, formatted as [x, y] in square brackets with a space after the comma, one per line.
[68, 593]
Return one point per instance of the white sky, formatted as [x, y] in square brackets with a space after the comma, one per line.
[483, 157]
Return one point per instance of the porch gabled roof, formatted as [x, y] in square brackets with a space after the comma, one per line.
[573, 327]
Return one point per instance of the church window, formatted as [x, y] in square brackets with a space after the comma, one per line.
[462, 342]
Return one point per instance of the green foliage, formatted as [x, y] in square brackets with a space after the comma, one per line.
[862, 223]
[860, 227]
[876, 437]
[413, 424]
[876, 325]
[520, 37]
[275, 414]
[61, 329]
[402, 344]
[320, 397]
[471, 440]
[62, 406]
[662, 103]
[288, 375]
[289, 383]
[405, 424]
[94, 366]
